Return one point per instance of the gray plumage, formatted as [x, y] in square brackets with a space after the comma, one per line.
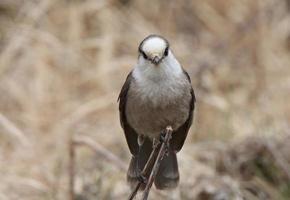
[150, 114]
[157, 93]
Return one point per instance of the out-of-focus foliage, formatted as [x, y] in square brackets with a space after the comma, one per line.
[63, 62]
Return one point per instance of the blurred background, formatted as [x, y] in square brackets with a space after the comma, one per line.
[63, 63]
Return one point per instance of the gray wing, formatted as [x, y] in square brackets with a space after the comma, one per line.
[179, 136]
[130, 134]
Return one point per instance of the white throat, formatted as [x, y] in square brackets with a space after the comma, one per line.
[159, 83]
[169, 68]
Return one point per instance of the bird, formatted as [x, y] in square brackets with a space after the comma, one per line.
[157, 93]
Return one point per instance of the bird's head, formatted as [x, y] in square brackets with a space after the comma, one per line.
[154, 49]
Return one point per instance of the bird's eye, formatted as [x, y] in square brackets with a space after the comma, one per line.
[166, 51]
[144, 55]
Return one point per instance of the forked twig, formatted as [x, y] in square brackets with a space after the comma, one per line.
[146, 169]
[161, 148]
[161, 153]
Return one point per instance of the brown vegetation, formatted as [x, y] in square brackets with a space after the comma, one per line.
[63, 62]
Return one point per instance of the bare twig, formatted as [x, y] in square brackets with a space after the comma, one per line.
[99, 149]
[94, 146]
[145, 172]
[160, 149]
[164, 146]
[13, 130]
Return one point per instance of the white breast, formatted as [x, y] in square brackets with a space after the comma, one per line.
[159, 84]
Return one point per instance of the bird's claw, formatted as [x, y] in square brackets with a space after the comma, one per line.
[156, 143]
[141, 178]
[162, 136]
[162, 139]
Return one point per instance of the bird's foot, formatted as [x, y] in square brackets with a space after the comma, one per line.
[142, 178]
[162, 139]
[156, 143]
[162, 136]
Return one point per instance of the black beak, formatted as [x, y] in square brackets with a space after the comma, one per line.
[156, 60]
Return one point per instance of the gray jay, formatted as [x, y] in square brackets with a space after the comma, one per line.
[157, 93]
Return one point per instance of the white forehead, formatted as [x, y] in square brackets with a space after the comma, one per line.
[154, 45]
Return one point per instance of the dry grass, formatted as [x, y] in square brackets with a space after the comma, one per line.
[63, 62]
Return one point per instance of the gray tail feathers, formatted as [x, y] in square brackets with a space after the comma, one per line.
[138, 162]
[167, 176]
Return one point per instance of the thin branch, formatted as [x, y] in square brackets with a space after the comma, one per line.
[13, 130]
[145, 172]
[99, 149]
[161, 149]
[94, 146]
